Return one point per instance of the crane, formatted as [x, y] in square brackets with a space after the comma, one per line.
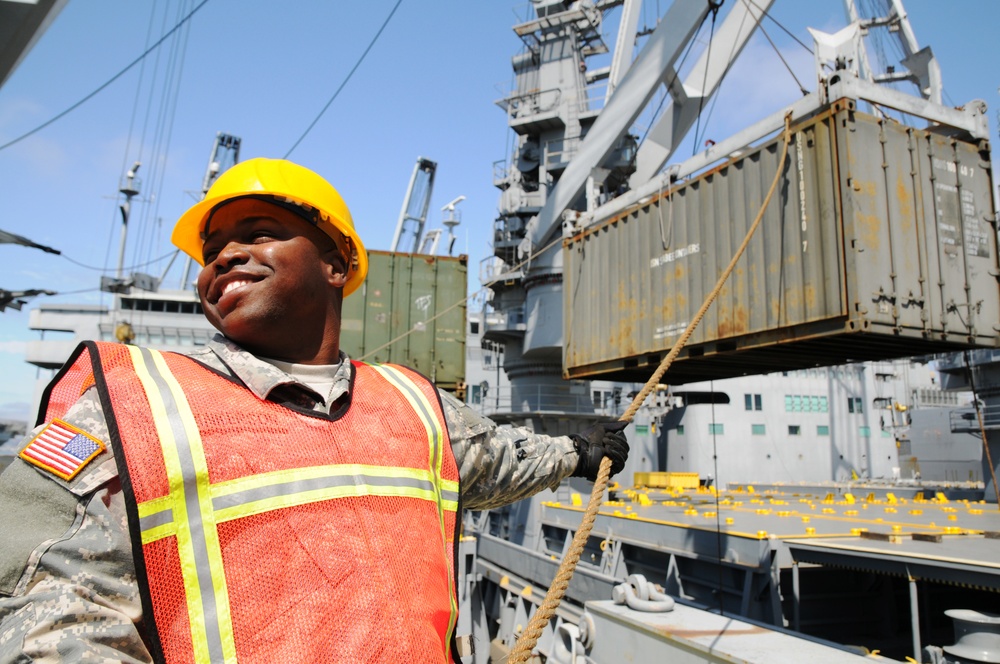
[410, 228]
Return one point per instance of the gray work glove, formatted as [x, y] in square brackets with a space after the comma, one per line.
[604, 439]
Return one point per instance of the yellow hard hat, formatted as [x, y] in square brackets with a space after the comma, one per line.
[292, 186]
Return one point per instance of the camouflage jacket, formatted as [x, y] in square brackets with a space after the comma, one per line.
[68, 590]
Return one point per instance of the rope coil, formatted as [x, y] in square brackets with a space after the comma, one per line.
[529, 637]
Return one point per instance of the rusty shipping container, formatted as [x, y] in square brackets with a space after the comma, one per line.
[879, 242]
[417, 303]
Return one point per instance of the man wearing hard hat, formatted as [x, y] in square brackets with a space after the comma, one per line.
[263, 498]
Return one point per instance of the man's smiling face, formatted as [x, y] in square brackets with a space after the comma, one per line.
[272, 282]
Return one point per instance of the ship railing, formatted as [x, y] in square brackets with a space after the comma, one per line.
[594, 96]
[161, 336]
[500, 173]
[522, 106]
[526, 104]
[965, 420]
[512, 319]
[540, 398]
[498, 273]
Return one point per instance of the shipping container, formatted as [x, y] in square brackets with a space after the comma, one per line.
[410, 311]
[879, 242]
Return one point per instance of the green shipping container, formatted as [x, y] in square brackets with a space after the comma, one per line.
[410, 311]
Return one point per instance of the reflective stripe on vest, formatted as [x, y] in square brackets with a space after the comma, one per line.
[194, 507]
[435, 438]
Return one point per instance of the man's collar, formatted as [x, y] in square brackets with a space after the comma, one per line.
[260, 376]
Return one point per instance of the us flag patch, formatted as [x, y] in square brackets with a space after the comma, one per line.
[62, 449]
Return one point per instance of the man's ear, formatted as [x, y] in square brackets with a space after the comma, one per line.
[336, 266]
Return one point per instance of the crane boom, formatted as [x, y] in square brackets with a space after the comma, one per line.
[410, 228]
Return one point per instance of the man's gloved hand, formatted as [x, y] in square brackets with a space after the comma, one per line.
[604, 439]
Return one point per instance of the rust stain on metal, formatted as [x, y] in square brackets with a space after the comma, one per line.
[905, 203]
[793, 297]
[810, 296]
[868, 229]
[667, 309]
[740, 321]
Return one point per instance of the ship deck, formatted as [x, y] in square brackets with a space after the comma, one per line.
[936, 538]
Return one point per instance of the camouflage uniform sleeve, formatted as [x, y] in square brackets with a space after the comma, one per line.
[68, 590]
[501, 465]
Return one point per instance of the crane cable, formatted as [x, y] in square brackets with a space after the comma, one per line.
[529, 637]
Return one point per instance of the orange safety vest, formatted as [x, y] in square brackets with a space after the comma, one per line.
[268, 534]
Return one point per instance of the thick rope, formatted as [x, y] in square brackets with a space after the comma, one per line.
[529, 637]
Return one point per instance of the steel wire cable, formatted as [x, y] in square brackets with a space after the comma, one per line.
[704, 80]
[778, 23]
[346, 79]
[111, 80]
[529, 637]
[126, 267]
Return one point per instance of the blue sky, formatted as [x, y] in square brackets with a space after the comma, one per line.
[262, 70]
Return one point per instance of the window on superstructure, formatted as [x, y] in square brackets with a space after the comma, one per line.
[794, 430]
[680, 429]
[822, 430]
[865, 431]
[716, 428]
[854, 405]
[753, 402]
[757, 430]
[474, 327]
